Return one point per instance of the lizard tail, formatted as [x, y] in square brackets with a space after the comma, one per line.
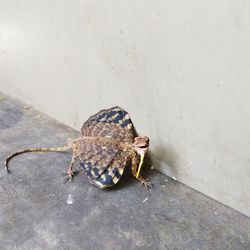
[59, 149]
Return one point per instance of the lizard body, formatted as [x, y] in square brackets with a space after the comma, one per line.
[104, 150]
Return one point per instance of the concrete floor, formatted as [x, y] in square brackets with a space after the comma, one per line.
[38, 211]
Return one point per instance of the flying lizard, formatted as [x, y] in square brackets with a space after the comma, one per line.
[107, 145]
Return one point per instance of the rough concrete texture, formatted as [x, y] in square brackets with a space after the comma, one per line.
[38, 211]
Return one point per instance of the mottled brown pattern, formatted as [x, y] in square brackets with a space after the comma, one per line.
[106, 146]
[108, 130]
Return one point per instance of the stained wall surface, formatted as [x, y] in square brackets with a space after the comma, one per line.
[181, 69]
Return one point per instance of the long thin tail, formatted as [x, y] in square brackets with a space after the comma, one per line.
[59, 149]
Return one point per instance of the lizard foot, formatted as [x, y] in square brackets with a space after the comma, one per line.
[69, 176]
[147, 183]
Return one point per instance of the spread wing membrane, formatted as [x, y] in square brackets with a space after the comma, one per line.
[103, 164]
[113, 123]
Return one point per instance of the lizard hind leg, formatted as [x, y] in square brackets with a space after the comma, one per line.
[70, 173]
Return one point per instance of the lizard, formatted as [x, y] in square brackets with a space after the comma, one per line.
[107, 145]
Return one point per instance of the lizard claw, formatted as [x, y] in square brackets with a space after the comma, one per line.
[147, 183]
[69, 176]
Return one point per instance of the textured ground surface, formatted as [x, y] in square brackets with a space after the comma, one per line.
[38, 211]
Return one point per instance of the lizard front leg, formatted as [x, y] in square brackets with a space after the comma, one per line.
[134, 166]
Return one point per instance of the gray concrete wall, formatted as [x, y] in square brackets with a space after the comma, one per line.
[181, 69]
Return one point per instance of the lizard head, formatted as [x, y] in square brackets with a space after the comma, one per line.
[141, 145]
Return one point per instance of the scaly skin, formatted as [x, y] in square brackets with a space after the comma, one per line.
[107, 143]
